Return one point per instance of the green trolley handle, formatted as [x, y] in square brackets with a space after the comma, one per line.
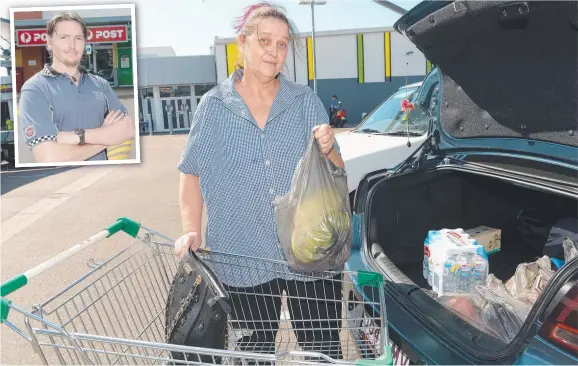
[122, 224]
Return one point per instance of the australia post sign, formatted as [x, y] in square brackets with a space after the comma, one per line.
[100, 34]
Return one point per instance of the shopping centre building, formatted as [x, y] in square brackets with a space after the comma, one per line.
[170, 88]
[109, 45]
[362, 67]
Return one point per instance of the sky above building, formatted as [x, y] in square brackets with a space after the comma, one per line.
[190, 26]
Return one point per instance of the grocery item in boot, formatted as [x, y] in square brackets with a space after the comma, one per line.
[566, 228]
[530, 280]
[456, 262]
[488, 237]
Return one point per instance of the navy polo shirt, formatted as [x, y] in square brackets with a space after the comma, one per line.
[50, 102]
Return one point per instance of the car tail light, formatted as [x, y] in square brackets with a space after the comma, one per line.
[561, 326]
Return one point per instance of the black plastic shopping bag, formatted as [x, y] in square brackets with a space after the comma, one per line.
[314, 219]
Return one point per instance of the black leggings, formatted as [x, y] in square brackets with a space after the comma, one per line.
[314, 308]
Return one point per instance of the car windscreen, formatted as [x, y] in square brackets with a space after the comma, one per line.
[388, 117]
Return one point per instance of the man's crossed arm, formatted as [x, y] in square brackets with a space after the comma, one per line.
[50, 145]
[116, 129]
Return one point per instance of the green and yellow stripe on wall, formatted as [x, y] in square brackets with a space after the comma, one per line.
[310, 68]
[428, 66]
[232, 55]
[360, 62]
[387, 56]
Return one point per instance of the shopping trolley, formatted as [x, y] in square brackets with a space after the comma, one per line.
[115, 313]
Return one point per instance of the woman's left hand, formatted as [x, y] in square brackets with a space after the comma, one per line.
[325, 136]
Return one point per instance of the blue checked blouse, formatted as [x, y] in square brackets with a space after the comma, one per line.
[242, 170]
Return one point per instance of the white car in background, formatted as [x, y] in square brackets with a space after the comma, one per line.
[381, 140]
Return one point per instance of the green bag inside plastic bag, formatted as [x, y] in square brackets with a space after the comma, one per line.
[314, 219]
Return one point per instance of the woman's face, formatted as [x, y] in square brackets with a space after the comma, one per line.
[265, 50]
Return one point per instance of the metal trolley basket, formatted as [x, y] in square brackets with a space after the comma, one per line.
[115, 313]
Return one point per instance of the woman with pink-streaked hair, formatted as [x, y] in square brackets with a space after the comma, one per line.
[247, 137]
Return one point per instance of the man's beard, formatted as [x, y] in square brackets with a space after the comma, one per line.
[66, 62]
[71, 63]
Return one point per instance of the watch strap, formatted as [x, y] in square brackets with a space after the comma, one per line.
[80, 133]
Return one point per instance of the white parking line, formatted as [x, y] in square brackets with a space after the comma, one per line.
[83, 182]
[29, 215]
[39, 209]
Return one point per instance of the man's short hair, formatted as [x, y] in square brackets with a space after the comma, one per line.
[64, 16]
[335, 96]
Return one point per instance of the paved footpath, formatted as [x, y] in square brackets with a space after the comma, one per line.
[45, 211]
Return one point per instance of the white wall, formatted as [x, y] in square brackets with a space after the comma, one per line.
[289, 68]
[179, 70]
[336, 57]
[374, 57]
[416, 62]
[221, 62]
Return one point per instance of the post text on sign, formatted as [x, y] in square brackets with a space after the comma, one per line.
[99, 34]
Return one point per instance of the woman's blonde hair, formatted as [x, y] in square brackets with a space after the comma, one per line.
[248, 23]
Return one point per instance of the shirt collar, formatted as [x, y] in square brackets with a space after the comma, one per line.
[51, 72]
[284, 99]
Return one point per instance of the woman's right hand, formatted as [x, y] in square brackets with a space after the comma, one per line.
[190, 240]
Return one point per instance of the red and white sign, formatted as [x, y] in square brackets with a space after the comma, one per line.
[101, 34]
[31, 37]
[107, 34]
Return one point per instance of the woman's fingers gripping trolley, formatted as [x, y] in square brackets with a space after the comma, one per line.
[190, 240]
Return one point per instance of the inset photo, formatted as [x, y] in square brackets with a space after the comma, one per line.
[74, 77]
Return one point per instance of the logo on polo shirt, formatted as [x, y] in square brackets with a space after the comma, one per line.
[29, 131]
[99, 95]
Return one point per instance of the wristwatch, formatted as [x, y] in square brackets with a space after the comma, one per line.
[80, 133]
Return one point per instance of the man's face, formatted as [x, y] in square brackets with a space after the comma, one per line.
[67, 43]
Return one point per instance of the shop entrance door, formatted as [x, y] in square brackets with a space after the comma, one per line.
[125, 66]
[177, 114]
[103, 62]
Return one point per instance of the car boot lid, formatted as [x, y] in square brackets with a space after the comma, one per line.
[509, 75]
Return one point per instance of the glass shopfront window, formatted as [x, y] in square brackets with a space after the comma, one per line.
[175, 91]
[86, 62]
[200, 90]
[146, 108]
[176, 107]
[105, 63]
